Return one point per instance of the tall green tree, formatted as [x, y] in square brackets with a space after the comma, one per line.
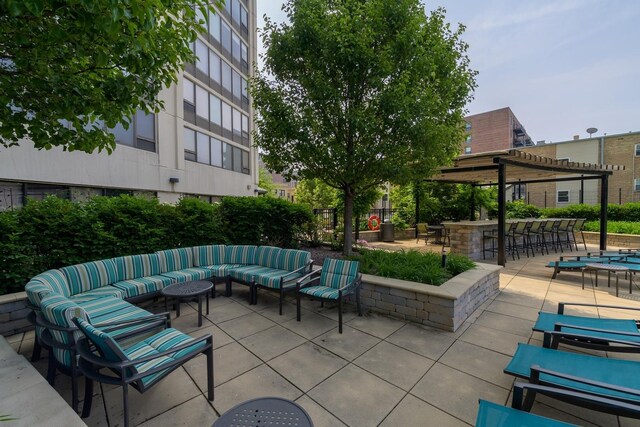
[88, 64]
[265, 181]
[316, 194]
[360, 92]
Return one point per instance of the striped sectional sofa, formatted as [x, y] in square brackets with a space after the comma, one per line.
[103, 291]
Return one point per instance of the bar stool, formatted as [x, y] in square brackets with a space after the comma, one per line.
[550, 230]
[562, 228]
[520, 231]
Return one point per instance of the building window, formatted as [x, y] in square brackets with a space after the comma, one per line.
[636, 184]
[468, 140]
[637, 150]
[564, 159]
[208, 150]
[467, 126]
[141, 132]
[467, 150]
[563, 196]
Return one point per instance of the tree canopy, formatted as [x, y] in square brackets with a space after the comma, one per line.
[68, 68]
[360, 92]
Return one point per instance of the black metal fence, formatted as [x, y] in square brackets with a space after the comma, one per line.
[330, 218]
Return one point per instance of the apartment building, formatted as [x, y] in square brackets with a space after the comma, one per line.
[199, 145]
[620, 149]
[494, 130]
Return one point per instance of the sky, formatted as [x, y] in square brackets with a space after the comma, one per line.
[561, 65]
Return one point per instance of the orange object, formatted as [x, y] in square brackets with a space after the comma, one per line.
[374, 223]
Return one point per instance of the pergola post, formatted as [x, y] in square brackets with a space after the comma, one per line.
[604, 202]
[502, 212]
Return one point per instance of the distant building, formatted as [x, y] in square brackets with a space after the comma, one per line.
[198, 145]
[620, 149]
[494, 130]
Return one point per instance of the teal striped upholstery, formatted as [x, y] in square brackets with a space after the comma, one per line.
[105, 291]
[321, 292]
[222, 270]
[135, 266]
[268, 256]
[107, 310]
[293, 259]
[245, 273]
[338, 273]
[143, 285]
[175, 259]
[162, 341]
[107, 346]
[36, 290]
[55, 280]
[60, 311]
[270, 277]
[90, 275]
[204, 256]
[189, 274]
[240, 254]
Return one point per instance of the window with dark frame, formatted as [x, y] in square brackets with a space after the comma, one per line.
[563, 196]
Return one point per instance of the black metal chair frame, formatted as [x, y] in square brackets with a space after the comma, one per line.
[91, 364]
[51, 343]
[311, 280]
[578, 226]
[549, 229]
[423, 234]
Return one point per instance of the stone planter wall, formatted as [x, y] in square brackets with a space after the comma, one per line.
[622, 240]
[13, 314]
[374, 236]
[444, 307]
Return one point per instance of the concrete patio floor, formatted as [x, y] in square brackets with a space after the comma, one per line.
[380, 371]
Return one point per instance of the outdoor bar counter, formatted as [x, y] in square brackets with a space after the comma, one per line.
[466, 236]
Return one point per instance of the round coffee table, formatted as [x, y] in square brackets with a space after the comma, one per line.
[188, 290]
[265, 411]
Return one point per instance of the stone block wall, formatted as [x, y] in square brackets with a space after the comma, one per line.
[374, 236]
[13, 314]
[444, 307]
[622, 240]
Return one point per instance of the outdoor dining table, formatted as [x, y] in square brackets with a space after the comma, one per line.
[265, 411]
[610, 269]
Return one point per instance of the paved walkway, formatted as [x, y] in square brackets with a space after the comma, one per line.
[380, 371]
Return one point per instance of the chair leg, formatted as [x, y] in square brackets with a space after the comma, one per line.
[298, 306]
[51, 369]
[74, 385]
[358, 302]
[584, 242]
[281, 298]
[37, 350]
[125, 404]
[227, 292]
[340, 315]
[88, 397]
[210, 373]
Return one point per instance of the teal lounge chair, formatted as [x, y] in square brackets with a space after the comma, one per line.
[579, 262]
[494, 415]
[606, 385]
[618, 335]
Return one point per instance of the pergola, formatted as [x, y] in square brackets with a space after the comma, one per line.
[507, 167]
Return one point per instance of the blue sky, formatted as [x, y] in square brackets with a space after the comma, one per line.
[561, 65]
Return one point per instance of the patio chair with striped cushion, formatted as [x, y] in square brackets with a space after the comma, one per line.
[141, 363]
[333, 282]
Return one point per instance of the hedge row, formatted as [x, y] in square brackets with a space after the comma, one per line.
[55, 232]
[626, 212]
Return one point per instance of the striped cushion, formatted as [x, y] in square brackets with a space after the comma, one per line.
[100, 309]
[338, 273]
[270, 277]
[90, 275]
[143, 285]
[189, 274]
[208, 255]
[163, 341]
[321, 292]
[107, 346]
[36, 291]
[222, 270]
[293, 259]
[245, 273]
[60, 311]
[56, 280]
[105, 291]
[134, 266]
[240, 254]
[268, 256]
[175, 259]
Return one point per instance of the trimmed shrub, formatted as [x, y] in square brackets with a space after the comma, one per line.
[412, 265]
[622, 227]
[55, 232]
[520, 210]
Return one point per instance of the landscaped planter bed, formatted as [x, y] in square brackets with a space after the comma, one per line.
[445, 307]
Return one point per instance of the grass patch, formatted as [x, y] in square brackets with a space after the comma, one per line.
[412, 265]
[621, 227]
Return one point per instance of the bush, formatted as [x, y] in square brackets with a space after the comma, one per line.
[622, 227]
[412, 265]
[55, 232]
[626, 212]
[520, 210]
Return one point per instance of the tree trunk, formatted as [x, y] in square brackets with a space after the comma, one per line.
[348, 221]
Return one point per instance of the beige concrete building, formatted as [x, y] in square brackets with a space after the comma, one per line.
[620, 149]
[199, 145]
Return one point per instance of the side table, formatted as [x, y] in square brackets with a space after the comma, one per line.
[609, 268]
[265, 411]
[187, 290]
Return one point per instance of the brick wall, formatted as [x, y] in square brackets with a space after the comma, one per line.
[490, 131]
[620, 150]
[13, 314]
